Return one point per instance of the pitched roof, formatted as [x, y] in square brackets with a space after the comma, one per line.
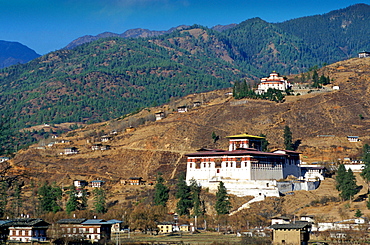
[234, 153]
[295, 225]
[27, 222]
[243, 136]
[70, 221]
[96, 222]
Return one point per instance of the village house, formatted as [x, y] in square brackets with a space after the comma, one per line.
[182, 109]
[244, 168]
[4, 159]
[353, 138]
[96, 183]
[313, 173]
[274, 81]
[101, 147]
[80, 183]
[88, 229]
[27, 230]
[166, 227]
[280, 220]
[159, 115]
[294, 233]
[184, 228]
[197, 103]
[136, 181]
[105, 138]
[70, 151]
[363, 54]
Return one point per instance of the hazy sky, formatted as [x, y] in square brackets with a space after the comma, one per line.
[48, 25]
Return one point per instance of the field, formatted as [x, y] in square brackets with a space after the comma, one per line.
[178, 238]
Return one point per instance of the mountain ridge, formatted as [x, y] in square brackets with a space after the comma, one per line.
[12, 53]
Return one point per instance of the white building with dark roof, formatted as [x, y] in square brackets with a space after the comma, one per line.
[274, 81]
[244, 170]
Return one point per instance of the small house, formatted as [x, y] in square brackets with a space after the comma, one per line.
[80, 183]
[88, 229]
[353, 138]
[159, 115]
[197, 103]
[101, 147]
[116, 225]
[70, 151]
[280, 220]
[293, 233]
[4, 159]
[363, 54]
[96, 183]
[165, 227]
[28, 230]
[184, 227]
[182, 109]
[135, 181]
[130, 129]
[105, 138]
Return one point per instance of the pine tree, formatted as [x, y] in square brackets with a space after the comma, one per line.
[366, 170]
[358, 213]
[288, 139]
[349, 187]
[72, 202]
[340, 176]
[223, 204]
[99, 201]
[183, 192]
[195, 196]
[48, 196]
[160, 192]
[82, 205]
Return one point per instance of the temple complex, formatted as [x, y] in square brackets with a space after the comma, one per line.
[274, 81]
[245, 169]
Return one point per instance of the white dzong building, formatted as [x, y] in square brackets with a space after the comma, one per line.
[274, 81]
[244, 169]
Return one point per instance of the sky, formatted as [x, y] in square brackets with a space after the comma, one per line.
[49, 25]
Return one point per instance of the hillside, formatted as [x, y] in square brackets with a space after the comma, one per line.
[113, 76]
[142, 147]
[12, 53]
[320, 120]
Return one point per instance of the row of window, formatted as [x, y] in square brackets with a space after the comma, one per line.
[81, 230]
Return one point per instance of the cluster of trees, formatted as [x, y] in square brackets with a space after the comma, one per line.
[46, 199]
[243, 90]
[189, 202]
[346, 183]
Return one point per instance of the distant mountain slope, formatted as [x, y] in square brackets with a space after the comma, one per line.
[132, 33]
[110, 77]
[12, 53]
[334, 36]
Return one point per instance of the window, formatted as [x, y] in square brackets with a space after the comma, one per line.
[91, 230]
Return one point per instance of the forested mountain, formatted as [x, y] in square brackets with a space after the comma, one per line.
[131, 33]
[110, 77]
[113, 76]
[337, 35]
[12, 53]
